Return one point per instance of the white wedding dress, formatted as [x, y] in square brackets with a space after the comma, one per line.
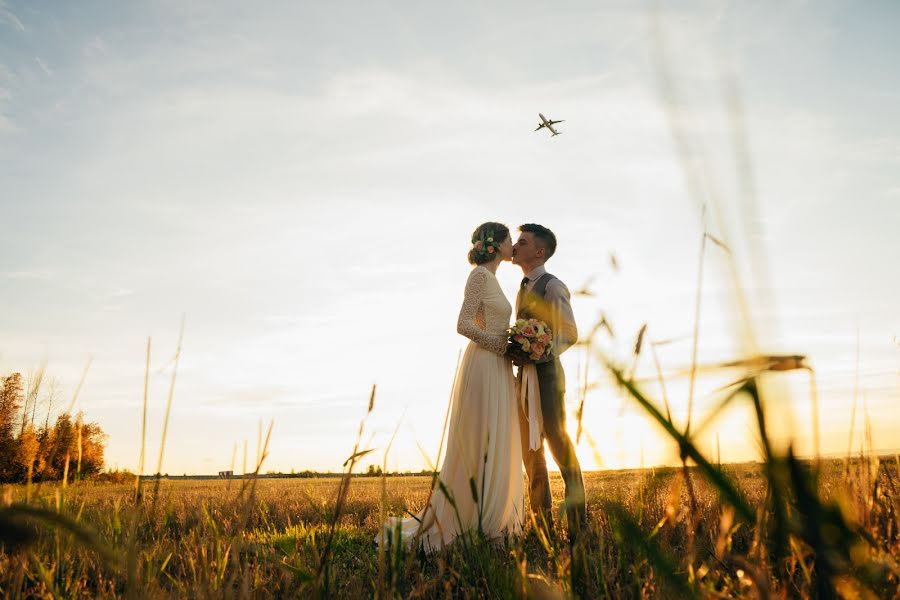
[483, 444]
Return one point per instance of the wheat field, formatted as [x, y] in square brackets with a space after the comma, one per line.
[652, 533]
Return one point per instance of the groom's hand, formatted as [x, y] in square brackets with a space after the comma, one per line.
[549, 358]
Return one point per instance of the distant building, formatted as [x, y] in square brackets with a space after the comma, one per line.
[226, 474]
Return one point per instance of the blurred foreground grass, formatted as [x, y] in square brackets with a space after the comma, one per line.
[647, 538]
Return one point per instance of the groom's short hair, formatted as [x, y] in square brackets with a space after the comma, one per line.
[542, 233]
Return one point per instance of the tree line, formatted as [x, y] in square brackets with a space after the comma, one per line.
[67, 448]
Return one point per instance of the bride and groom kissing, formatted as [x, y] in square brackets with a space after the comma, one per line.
[500, 420]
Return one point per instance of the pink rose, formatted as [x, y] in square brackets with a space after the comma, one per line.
[478, 245]
[537, 349]
[528, 330]
[544, 339]
[490, 249]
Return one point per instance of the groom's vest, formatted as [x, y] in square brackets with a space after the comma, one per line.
[531, 304]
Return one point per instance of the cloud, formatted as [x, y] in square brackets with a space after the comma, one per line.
[261, 396]
[94, 47]
[8, 17]
[43, 65]
[286, 319]
[6, 76]
[29, 274]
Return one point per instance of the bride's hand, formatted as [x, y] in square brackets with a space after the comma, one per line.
[516, 355]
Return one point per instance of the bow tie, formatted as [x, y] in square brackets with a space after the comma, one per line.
[525, 281]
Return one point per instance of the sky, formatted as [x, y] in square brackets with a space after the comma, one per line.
[299, 183]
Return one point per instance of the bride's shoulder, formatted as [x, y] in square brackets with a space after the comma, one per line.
[479, 276]
[480, 271]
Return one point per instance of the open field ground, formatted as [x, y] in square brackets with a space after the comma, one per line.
[650, 535]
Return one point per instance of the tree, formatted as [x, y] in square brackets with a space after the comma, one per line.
[35, 378]
[10, 399]
[60, 446]
[51, 395]
[45, 450]
[44, 441]
[93, 444]
[26, 452]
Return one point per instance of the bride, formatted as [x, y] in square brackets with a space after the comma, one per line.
[481, 483]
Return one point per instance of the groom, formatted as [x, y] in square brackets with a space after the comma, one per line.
[542, 296]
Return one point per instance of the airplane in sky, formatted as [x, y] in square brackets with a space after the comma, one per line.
[545, 122]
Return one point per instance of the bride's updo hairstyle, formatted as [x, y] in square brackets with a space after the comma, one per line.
[486, 240]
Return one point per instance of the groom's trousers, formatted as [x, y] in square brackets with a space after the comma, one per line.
[551, 381]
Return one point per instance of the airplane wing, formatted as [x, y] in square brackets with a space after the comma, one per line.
[539, 127]
[555, 122]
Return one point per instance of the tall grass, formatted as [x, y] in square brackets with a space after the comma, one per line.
[207, 542]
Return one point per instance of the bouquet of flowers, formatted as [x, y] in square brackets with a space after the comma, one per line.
[530, 338]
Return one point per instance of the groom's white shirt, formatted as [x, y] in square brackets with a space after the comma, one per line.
[557, 295]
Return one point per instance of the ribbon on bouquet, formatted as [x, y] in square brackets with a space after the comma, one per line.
[530, 399]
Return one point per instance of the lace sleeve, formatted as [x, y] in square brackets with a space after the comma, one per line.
[467, 324]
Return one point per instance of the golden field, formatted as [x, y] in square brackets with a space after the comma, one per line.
[652, 533]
